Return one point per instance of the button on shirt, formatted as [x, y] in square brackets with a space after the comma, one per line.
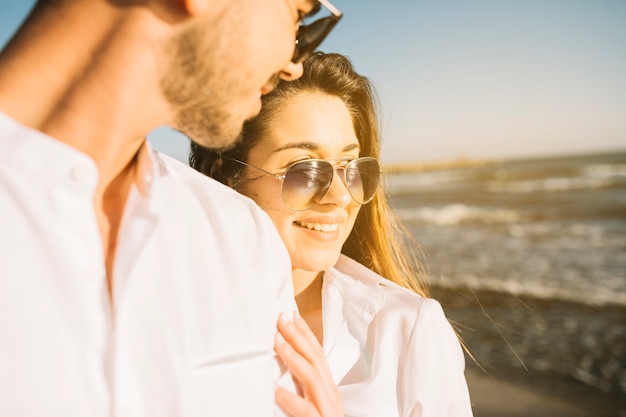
[200, 277]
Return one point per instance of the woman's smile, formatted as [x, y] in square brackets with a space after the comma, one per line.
[320, 227]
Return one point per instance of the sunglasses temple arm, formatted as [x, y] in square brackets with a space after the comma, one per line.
[278, 176]
[330, 7]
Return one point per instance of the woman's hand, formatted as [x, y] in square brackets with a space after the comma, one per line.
[297, 346]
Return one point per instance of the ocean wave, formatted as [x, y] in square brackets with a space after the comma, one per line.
[608, 171]
[570, 235]
[598, 297]
[592, 176]
[455, 214]
[410, 182]
[549, 184]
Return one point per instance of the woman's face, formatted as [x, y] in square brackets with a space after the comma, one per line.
[310, 125]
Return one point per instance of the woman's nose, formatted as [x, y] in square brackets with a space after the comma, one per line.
[338, 193]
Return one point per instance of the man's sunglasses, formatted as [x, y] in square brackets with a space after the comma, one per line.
[305, 183]
[310, 35]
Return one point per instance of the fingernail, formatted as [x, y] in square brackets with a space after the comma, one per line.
[280, 339]
[283, 318]
[297, 317]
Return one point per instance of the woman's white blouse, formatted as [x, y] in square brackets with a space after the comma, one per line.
[391, 352]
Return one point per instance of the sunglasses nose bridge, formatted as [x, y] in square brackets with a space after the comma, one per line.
[338, 191]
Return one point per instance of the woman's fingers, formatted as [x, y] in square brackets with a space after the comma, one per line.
[302, 339]
[303, 354]
[306, 374]
[304, 328]
[297, 346]
[294, 405]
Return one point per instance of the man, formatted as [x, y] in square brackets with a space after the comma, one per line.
[129, 284]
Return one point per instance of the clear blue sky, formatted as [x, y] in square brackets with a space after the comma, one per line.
[480, 78]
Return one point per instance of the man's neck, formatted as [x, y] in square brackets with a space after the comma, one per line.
[97, 92]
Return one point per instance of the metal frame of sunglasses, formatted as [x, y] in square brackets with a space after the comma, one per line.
[316, 169]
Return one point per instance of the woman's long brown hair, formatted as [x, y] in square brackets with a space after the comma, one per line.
[378, 240]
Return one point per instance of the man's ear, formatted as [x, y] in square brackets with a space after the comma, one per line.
[173, 10]
[176, 10]
[195, 7]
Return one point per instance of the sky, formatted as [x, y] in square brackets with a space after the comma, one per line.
[474, 78]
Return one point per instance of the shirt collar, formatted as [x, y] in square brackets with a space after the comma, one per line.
[351, 297]
[38, 155]
[45, 156]
[147, 169]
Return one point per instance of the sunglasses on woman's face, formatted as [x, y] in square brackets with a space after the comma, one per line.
[311, 35]
[305, 183]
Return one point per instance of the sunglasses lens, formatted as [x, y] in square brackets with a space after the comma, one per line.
[362, 178]
[311, 36]
[306, 183]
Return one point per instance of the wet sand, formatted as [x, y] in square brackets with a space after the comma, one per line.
[502, 397]
[497, 398]
[538, 357]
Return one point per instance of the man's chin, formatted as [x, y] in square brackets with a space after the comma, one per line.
[233, 143]
[217, 144]
[256, 109]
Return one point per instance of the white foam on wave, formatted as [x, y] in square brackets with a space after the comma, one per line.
[574, 235]
[454, 214]
[549, 184]
[597, 297]
[409, 182]
[592, 177]
[609, 171]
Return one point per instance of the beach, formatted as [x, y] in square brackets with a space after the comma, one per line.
[528, 259]
[529, 362]
[494, 397]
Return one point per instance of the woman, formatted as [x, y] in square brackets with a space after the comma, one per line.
[310, 161]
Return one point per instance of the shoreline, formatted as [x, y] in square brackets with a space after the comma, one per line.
[509, 397]
[539, 357]
[464, 161]
[413, 167]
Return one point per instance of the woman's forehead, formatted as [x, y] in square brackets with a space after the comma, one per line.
[309, 121]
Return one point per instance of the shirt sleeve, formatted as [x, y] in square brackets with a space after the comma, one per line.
[432, 381]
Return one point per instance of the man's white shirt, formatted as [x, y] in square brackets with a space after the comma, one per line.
[200, 277]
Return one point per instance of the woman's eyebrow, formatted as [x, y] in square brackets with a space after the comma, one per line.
[311, 146]
[351, 147]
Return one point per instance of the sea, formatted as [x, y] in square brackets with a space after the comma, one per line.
[549, 227]
[528, 258]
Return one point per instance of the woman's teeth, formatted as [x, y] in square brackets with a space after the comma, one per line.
[320, 227]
